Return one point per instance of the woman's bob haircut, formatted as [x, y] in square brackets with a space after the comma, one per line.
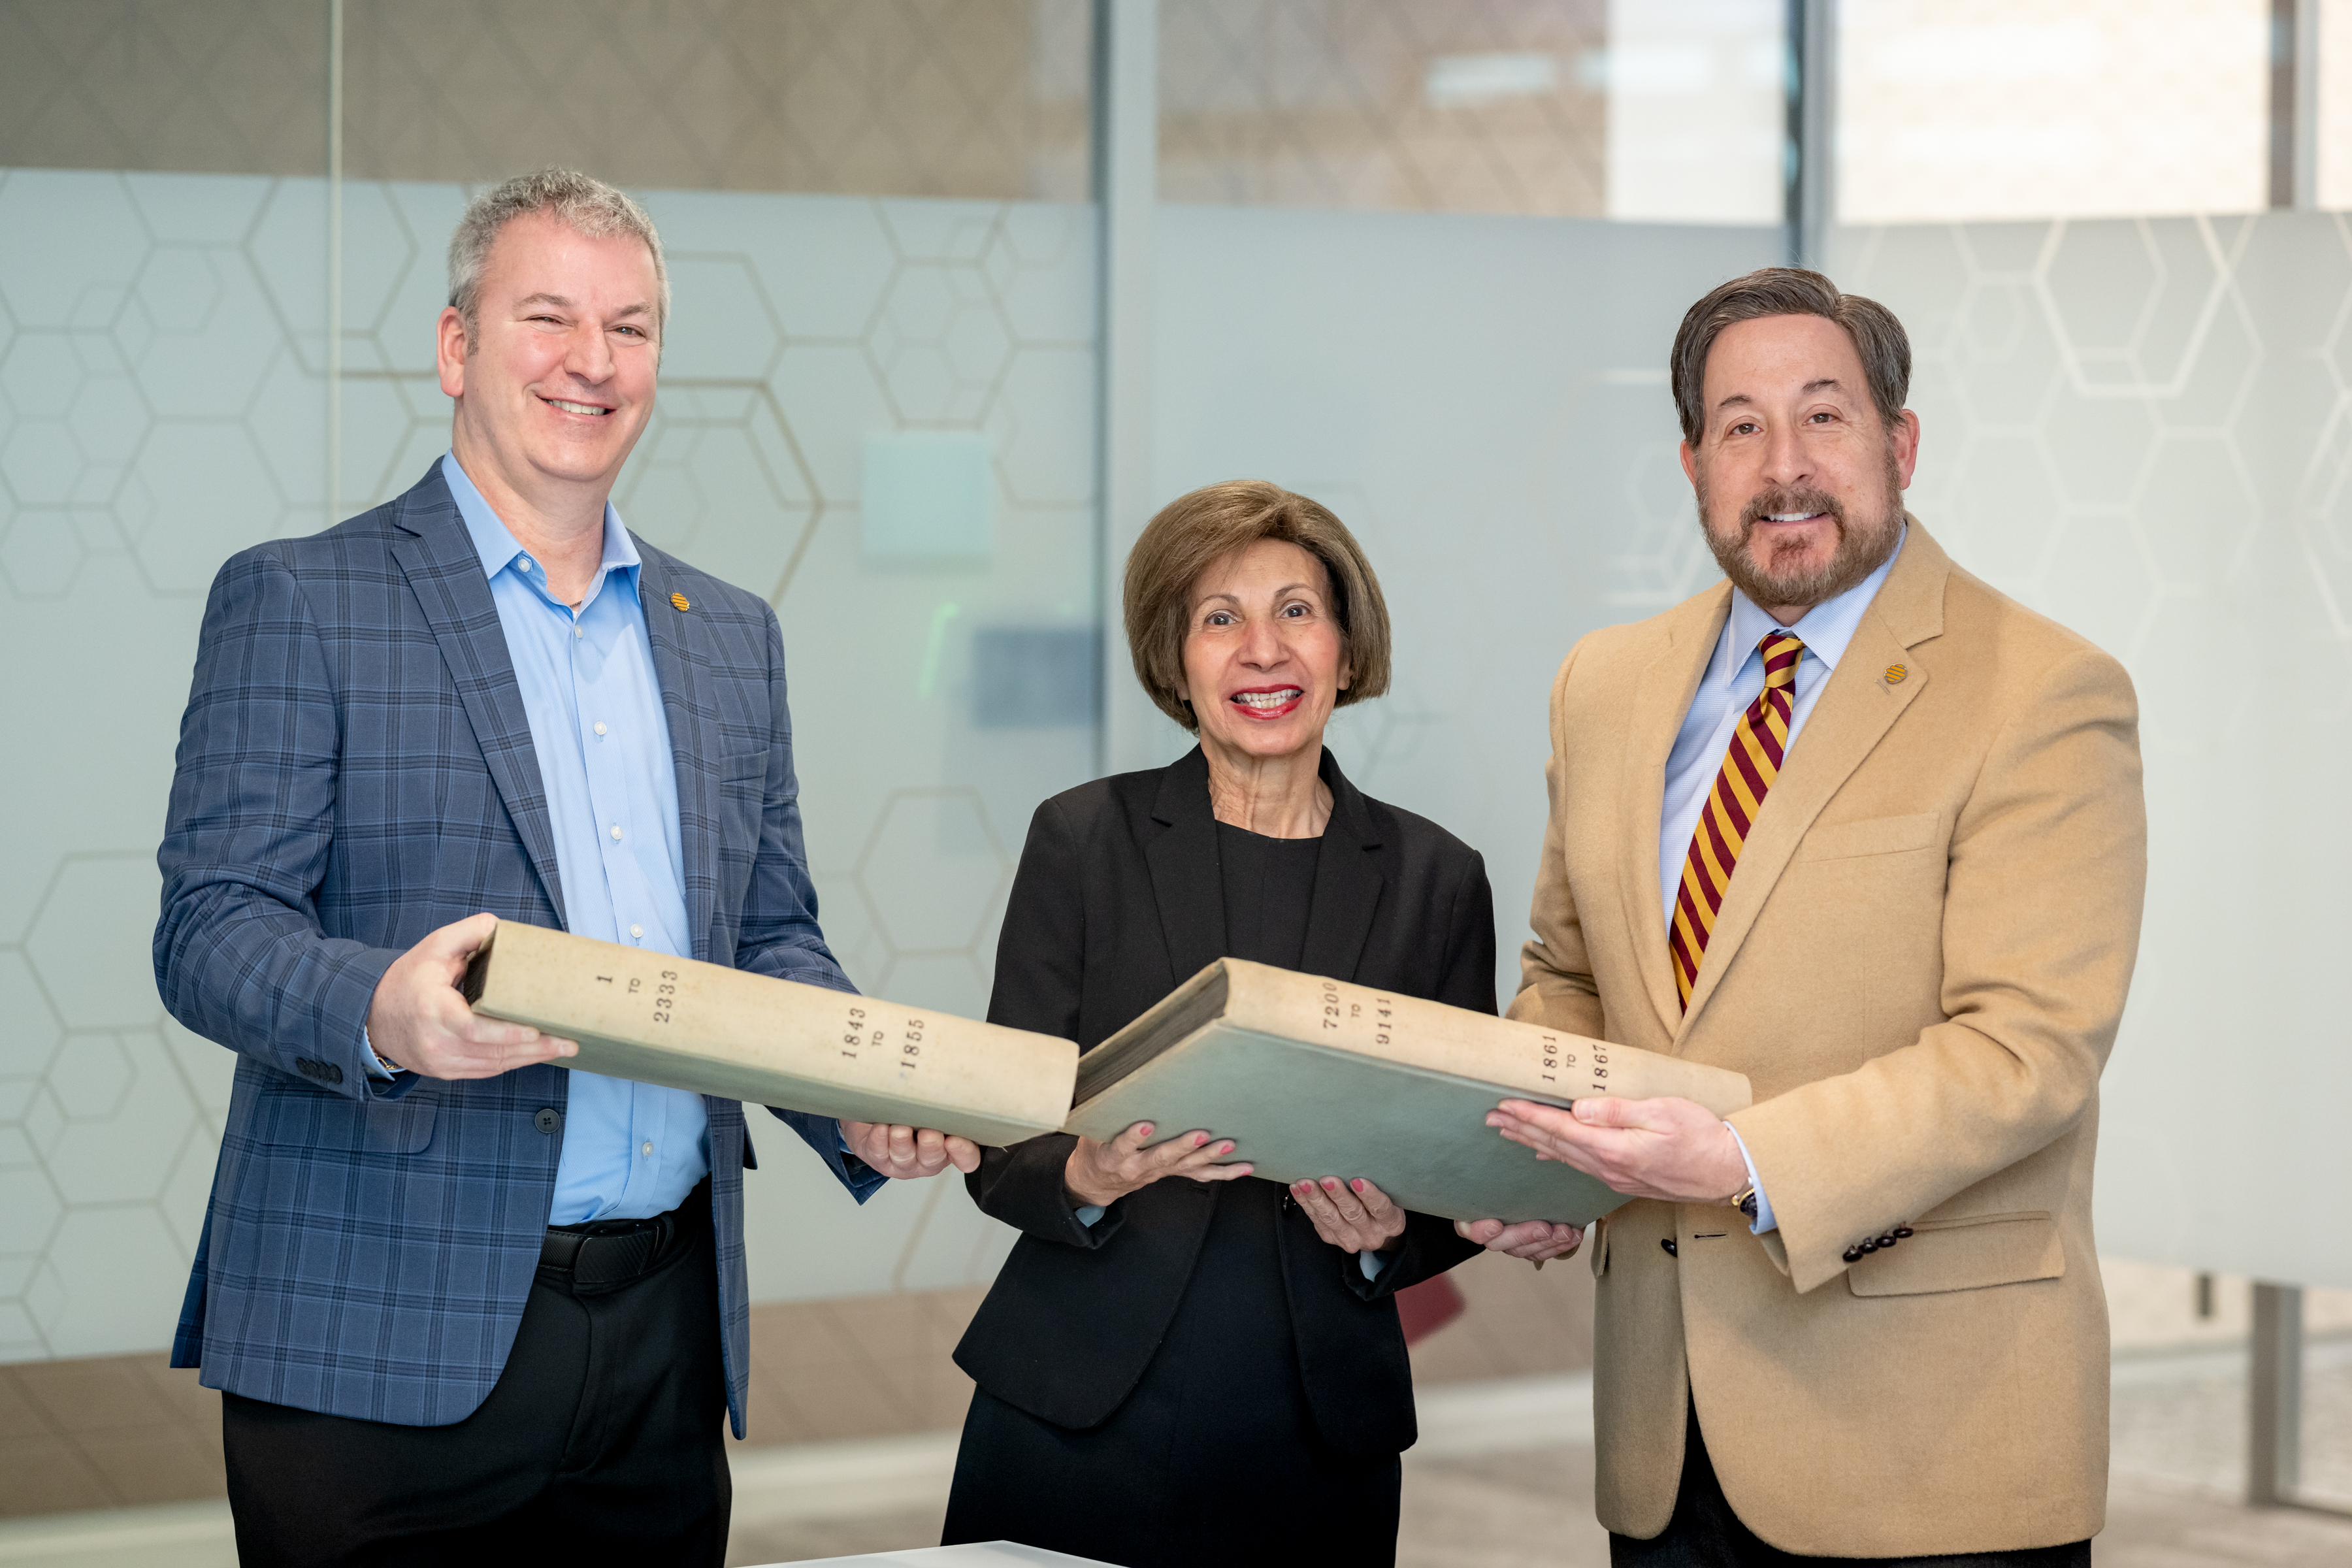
[1194, 531]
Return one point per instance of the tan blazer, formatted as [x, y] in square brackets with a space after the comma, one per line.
[1919, 964]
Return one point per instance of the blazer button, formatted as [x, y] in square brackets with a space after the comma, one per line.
[1668, 1243]
[1853, 1254]
[548, 1120]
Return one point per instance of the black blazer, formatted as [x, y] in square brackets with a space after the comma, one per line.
[1117, 900]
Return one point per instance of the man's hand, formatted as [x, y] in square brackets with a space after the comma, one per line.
[1102, 1174]
[418, 1021]
[1354, 1217]
[1673, 1149]
[1538, 1241]
[909, 1154]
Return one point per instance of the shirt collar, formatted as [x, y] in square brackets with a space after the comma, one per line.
[498, 547]
[1826, 628]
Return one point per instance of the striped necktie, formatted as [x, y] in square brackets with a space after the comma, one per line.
[1751, 763]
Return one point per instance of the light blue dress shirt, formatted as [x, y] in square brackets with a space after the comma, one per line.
[630, 1150]
[1734, 676]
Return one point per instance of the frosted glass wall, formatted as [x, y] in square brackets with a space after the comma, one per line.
[163, 356]
[1483, 400]
[2144, 428]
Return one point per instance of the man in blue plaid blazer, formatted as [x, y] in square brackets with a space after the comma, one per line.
[457, 1296]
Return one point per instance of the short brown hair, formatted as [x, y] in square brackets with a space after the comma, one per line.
[1878, 337]
[1194, 531]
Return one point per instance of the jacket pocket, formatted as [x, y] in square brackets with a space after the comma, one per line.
[301, 1118]
[1968, 1252]
[1872, 836]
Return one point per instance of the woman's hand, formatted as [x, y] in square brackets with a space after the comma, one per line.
[1104, 1173]
[1355, 1216]
[1536, 1240]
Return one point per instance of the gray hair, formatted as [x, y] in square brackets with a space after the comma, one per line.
[1878, 337]
[585, 205]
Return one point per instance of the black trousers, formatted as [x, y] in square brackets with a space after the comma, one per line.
[1705, 1533]
[1214, 1456]
[603, 1441]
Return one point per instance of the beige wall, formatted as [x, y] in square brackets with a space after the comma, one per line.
[937, 97]
[1384, 105]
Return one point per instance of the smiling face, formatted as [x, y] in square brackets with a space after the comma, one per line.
[1264, 661]
[557, 382]
[1800, 482]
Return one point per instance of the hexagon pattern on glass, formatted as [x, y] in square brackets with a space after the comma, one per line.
[163, 404]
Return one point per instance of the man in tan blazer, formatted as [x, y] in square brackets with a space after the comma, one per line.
[1900, 892]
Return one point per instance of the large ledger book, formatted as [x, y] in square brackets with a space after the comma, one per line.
[700, 1026]
[1314, 1078]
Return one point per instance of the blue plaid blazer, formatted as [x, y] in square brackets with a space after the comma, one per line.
[355, 770]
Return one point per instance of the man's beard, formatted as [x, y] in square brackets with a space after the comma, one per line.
[1861, 550]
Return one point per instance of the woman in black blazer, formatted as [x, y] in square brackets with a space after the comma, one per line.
[1179, 1363]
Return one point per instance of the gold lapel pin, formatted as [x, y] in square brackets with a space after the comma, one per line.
[679, 600]
[1894, 672]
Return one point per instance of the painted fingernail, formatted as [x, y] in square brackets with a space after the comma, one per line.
[1224, 1148]
[1199, 1139]
[1356, 1185]
[1143, 1130]
[1302, 1188]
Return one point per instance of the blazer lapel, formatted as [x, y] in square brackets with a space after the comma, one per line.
[1347, 882]
[680, 661]
[444, 571]
[1856, 708]
[1186, 882]
[1662, 698]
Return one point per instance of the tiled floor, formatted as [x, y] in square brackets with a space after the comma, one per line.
[1467, 1505]
[1503, 1477]
[126, 1431]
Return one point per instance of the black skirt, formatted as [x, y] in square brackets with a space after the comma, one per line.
[1217, 1452]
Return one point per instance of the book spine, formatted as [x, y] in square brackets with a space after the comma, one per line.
[571, 986]
[1550, 1064]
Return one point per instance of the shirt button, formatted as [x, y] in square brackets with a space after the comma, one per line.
[578, 632]
[616, 833]
[523, 562]
[600, 726]
[637, 931]
[647, 1148]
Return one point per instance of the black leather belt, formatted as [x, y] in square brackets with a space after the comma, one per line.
[613, 1252]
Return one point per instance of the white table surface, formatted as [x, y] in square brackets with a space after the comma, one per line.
[988, 1554]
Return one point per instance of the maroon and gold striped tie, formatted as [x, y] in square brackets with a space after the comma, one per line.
[1749, 766]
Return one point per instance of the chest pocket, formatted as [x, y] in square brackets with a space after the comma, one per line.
[743, 791]
[1872, 836]
[743, 774]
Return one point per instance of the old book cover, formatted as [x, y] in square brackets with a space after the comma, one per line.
[699, 1027]
[1314, 1078]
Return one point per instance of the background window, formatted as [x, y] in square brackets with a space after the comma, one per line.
[2013, 109]
[1569, 108]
